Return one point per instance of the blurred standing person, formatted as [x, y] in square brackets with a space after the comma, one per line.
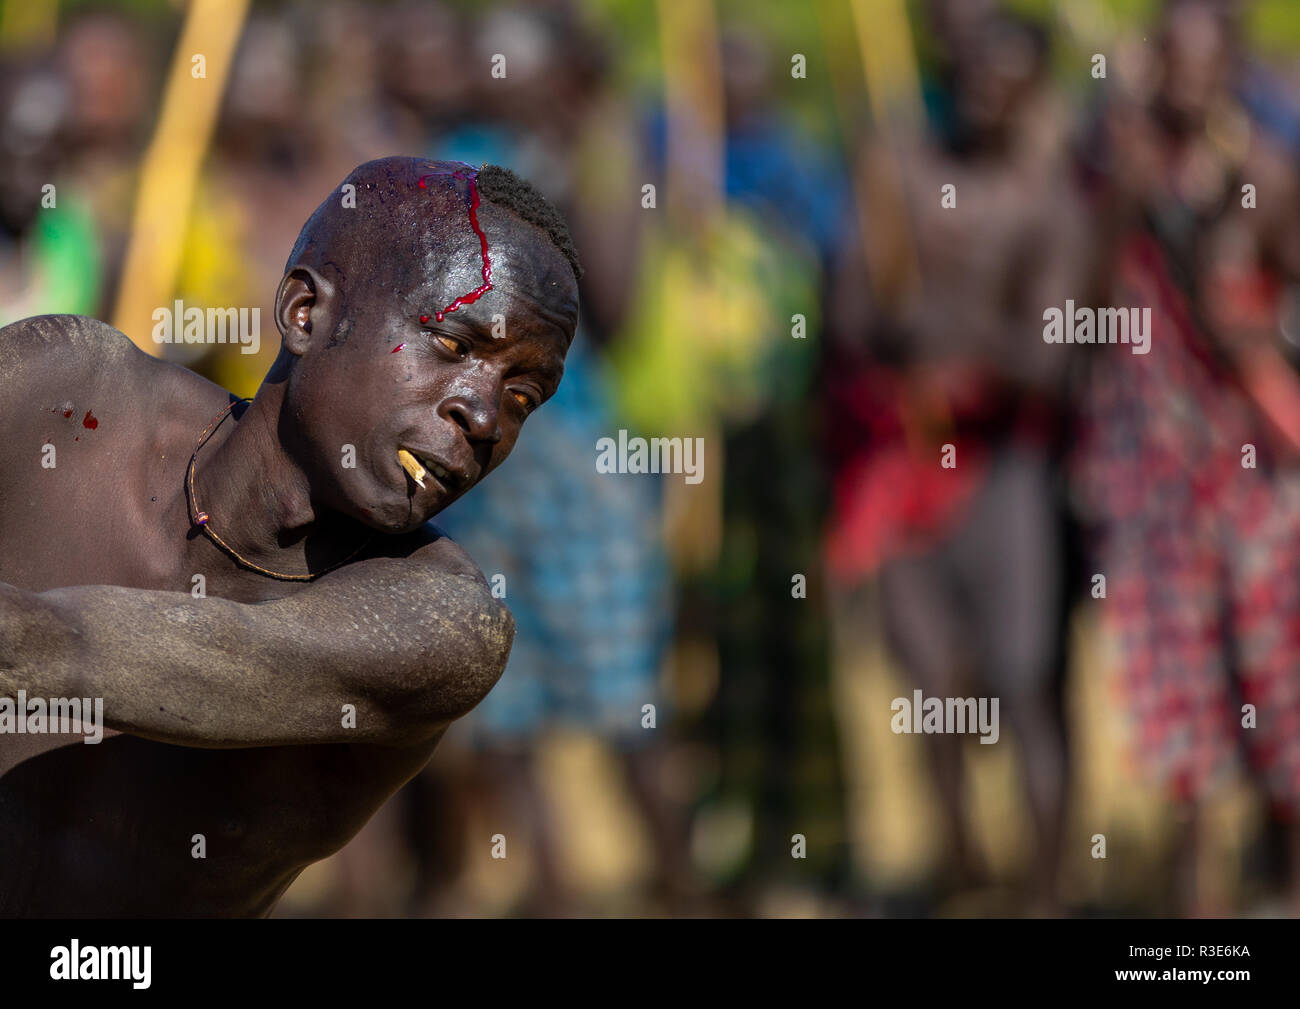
[946, 349]
[427, 75]
[353, 47]
[49, 246]
[256, 188]
[772, 719]
[733, 256]
[1187, 464]
[109, 61]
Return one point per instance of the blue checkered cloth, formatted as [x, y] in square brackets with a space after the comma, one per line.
[586, 574]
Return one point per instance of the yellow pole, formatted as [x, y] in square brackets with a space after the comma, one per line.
[694, 170]
[171, 164]
[688, 34]
[888, 60]
[28, 23]
[894, 91]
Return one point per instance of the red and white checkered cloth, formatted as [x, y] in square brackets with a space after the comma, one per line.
[1201, 555]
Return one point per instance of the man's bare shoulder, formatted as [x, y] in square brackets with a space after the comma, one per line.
[60, 357]
[61, 348]
[63, 332]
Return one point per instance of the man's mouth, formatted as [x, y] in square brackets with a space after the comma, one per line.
[419, 467]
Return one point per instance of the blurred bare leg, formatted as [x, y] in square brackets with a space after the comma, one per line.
[367, 884]
[1188, 828]
[668, 826]
[1012, 558]
[1292, 831]
[438, 805]
[923, 625]
[515, 775]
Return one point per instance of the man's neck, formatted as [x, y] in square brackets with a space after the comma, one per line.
[258, 497]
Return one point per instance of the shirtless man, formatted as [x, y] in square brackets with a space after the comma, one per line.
[974, 576]
[231, 708]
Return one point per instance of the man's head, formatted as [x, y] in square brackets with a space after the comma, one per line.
[992, 61]
[1198, 43]
[34, 109]
[367, 362]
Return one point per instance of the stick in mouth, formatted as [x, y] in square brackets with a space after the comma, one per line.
[411, 465]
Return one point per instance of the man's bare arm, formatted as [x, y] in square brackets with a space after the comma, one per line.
[411, 644]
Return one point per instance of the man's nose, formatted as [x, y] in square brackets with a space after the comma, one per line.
[475, 414]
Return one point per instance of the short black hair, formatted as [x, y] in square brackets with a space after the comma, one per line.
[507, 190]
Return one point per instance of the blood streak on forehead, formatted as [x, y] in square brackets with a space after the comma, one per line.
[470, 175]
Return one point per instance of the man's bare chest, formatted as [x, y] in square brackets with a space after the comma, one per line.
[203, 831]
[87, 499]
[969, 226]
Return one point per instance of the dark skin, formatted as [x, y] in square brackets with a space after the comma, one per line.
[230, 707]
[1167, 158]
[1012, 244]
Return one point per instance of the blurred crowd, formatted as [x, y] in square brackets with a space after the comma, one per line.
[836, 273]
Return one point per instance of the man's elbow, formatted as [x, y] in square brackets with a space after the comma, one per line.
[459, 662]
[488, 648]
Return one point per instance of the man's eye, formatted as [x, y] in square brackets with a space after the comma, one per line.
[452, 344]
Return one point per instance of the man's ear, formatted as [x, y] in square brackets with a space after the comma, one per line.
[303, 300]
